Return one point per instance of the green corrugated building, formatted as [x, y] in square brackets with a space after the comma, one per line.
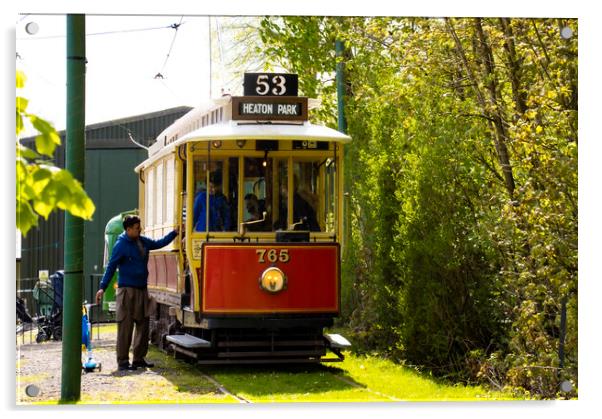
[110, 182]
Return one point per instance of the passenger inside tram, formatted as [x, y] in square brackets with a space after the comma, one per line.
[219, 209]
[255, 208]
[304, 215]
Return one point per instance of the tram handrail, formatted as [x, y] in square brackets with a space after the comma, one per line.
[242, 227]
[301, 221]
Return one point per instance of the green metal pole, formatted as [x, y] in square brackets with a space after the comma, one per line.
[339, 48]
[74, 226]
[342, 125]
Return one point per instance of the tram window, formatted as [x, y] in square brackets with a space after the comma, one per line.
[149, 221]
[281, 197]
[222, 188]
[159, 201]
[257, 192]
[231, 188]
[313, 199]
[328, 210]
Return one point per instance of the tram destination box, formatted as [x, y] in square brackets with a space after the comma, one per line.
[269, 108]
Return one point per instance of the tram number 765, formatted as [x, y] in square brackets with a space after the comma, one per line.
[273, 255]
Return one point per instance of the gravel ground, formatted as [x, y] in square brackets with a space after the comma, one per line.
[170, 381]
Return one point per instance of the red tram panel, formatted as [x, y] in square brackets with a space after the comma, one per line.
[230, 280]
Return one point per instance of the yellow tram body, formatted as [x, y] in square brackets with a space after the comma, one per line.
[251, 266]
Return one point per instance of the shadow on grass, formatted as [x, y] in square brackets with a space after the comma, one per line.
[281, 379]
[183, 375]
[279, 382]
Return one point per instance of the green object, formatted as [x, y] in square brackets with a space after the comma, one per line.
[113, 229]
[74, 226]
[44, 296]
[339, 49]
[342, 127]
[100, 186]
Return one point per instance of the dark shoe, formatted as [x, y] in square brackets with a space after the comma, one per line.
[142, 364]
[126, 367]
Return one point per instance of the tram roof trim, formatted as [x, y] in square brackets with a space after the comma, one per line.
[275, 131]
[237, 130]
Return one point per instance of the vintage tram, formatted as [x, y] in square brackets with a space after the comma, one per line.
[258, 191]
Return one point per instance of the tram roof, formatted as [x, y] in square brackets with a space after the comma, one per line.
[237, 130]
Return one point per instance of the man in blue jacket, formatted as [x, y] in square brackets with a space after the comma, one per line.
[130, 254]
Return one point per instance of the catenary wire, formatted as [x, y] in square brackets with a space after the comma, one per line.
[175, 26]
[100, 33]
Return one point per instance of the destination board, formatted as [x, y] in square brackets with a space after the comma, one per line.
[269, 108]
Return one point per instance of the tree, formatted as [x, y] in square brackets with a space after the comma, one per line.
[464, 200]
[41, 186]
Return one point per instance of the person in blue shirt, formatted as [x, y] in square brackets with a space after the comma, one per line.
[130, 255]
[219, 211]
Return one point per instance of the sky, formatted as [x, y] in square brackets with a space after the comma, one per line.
[124, 54]
[120, 83]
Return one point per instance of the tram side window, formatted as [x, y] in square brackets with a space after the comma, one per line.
[257, 193]
[222, 190]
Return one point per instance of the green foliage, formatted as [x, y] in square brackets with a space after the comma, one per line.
[463, 205]
[41, 186]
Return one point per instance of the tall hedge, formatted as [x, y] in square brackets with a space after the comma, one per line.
[462, 187]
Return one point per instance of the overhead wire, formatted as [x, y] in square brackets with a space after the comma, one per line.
[159, 75]
[101, 33]
[175, 26]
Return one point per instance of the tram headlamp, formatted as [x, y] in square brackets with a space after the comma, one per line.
[272, 280]
[216, 143]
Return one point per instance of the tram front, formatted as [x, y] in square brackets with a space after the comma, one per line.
[262, 198]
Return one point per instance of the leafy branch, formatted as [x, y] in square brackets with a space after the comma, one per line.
[41, 186]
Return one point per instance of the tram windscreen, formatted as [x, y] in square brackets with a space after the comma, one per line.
[265, 183]
[313, 202]
[258, 193]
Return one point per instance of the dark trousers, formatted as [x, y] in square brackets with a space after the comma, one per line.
[133, 309]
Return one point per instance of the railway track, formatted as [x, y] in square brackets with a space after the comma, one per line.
[222, 389]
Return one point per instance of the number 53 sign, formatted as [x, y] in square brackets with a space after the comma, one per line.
[271, 84]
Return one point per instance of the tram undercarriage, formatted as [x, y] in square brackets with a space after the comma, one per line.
[245, 340]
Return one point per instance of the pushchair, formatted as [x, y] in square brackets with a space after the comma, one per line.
[50, 305]
[25, 321]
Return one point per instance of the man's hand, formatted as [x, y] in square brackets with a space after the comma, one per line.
[181, 233]
[99, 295]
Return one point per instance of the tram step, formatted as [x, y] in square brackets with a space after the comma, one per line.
[337, 341]
[306, 353]
[188, 341]
[279, 343]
